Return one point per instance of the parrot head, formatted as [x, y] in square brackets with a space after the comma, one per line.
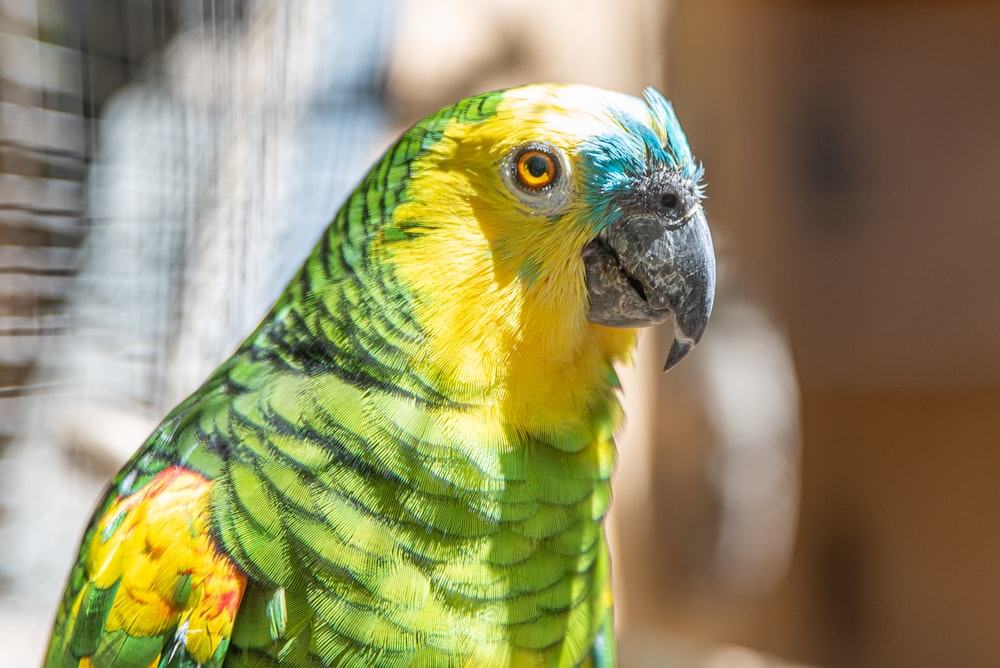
[551, 216]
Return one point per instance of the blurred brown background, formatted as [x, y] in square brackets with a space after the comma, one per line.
[816, 482]
[851, 152]
[860, 160]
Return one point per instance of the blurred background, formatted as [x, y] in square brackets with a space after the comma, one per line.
[817, 482]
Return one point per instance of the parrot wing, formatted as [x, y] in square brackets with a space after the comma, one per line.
[151, 587]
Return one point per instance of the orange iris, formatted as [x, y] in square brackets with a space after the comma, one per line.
[535, 169]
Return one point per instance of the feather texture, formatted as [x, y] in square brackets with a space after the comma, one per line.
[409, 461]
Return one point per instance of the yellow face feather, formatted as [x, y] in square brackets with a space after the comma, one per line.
[505, 307]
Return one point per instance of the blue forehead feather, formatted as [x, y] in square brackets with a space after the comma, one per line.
[613, 160]
[666, 125]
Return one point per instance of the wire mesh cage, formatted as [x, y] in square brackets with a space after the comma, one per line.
[164, 167]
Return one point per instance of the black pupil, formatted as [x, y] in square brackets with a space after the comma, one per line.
[537, 166]
[669, 200]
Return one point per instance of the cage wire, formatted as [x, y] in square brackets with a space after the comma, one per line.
[164, 168]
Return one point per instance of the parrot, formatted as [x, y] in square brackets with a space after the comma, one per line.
[408, 462]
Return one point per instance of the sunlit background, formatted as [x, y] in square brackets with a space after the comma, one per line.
[816, 484]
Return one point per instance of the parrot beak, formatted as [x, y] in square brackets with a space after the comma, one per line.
[652, 264]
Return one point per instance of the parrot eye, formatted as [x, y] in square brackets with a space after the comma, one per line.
[538, 174]
[535, 169]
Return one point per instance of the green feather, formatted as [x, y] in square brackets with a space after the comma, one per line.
[379, 518]
[263, 619]
[120, 650]
[96, 604]
[604, 651]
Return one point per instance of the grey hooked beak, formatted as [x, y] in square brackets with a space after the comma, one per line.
[648, 267]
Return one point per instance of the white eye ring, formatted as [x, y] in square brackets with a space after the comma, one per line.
[545, 199]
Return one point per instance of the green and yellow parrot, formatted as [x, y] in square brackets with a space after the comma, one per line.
[408, 462]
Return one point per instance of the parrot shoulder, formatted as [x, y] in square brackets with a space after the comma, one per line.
[152, 585]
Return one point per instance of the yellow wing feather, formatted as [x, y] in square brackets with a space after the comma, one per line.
[170, 575]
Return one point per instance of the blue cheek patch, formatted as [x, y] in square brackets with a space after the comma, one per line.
[609, 164]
